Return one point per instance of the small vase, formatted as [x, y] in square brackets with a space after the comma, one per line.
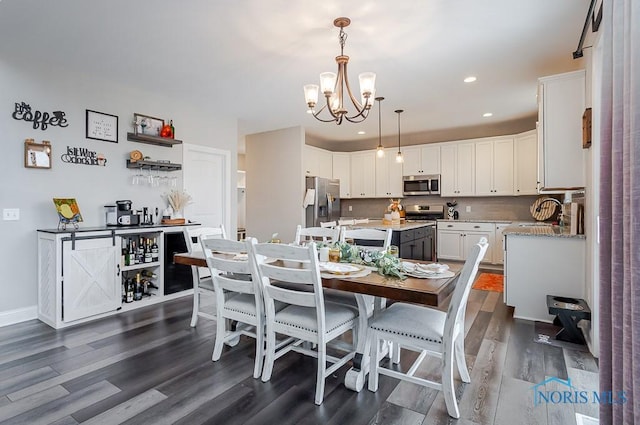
[178, 214]
[395, 217]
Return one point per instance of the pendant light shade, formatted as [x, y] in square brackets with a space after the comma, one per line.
[380, 148]
[399, 157]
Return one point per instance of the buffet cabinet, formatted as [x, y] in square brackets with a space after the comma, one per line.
[88, 274]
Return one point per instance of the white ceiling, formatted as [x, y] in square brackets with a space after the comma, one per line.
[250, 58]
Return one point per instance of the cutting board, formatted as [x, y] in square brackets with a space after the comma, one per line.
[547, 210]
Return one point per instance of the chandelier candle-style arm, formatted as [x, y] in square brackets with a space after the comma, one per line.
[333, 86]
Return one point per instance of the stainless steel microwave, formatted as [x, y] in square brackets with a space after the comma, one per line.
[421, 185]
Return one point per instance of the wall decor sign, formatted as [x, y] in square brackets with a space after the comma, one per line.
[147, 125]
[37, 155]
[101, 126]
[41, 120]
[83, 156]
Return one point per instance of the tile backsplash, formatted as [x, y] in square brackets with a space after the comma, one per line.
[510, 208]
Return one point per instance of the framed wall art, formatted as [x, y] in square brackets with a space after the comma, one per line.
[149, 126]
[37, 155]
[101, 126]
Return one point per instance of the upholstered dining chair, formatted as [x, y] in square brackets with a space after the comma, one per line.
[372, 238]
[238, 294]
[201, 276]
[306, 317]
[324, 234]
[429, 332]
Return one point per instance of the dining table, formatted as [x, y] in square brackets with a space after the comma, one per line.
[429, 291]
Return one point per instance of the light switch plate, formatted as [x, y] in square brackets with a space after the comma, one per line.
[468, 208]
[350, 208]
[11, 214]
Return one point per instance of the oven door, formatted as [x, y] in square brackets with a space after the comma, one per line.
[415, 185]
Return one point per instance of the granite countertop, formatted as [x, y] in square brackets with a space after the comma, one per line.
[377, 224]
[70, 228]
[544, 230]
[444, 220]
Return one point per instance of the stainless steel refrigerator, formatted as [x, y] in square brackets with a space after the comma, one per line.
[326, 200]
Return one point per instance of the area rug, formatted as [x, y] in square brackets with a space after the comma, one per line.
[489, 282]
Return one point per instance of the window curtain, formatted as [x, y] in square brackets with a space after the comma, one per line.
[620, 213]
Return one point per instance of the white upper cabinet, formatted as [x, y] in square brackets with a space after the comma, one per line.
[457, 169]
[561, 103]
[420, 160]
[388, 175]
[363, 174]
[525, 148]
[494, 167]
[342, 171]
[317, 162]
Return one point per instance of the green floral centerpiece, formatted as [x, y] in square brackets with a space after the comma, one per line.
[387, 264]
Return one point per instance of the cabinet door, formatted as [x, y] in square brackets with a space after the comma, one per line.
[382, 176]
[91, 277]
[473, 237]
[310, 161]
[363, 174]
[465, 169]
[526, 164]
[394, 169]
[498, 246]
[448, 185]
[484, 168]
[317, 162]
[502, 167]
[430, 159]
[412, 165]
[341, 164]
[449, 245]
[562, 102]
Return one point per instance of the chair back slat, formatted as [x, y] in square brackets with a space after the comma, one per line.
[236, 284]
[325, 234]
[228, 265]
[328, 224]
[281, 251]
[346, 222]
[365, 235]
[192, 237]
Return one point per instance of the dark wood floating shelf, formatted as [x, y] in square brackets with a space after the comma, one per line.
[152, 140]
[153, 165]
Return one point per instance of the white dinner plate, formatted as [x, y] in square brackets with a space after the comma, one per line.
[340, 268]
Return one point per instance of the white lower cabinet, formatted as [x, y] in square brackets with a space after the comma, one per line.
[498, 246]
[455, 239]
[81, 275]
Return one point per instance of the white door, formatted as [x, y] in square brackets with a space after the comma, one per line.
[207, 178]
[90, 277]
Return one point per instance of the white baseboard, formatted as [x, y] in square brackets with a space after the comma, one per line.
[18, 315]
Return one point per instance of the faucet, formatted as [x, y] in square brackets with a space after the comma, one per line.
[544, 201]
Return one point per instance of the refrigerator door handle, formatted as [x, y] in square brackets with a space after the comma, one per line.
[329, 205]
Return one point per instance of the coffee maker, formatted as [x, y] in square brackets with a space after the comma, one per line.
[121, 214]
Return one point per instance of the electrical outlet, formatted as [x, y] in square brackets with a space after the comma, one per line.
[468, 209]
[11, 214]
[350, 208]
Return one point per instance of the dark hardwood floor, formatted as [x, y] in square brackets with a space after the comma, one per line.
[149, 367]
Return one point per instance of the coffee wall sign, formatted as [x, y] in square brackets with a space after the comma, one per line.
[41, 120]
[83, 156]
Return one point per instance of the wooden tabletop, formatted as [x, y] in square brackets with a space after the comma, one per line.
[420, 291]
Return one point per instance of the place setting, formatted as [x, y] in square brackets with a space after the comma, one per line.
[427, 271]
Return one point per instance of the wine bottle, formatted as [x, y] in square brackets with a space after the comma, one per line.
[137, 294]
[129, 291]
[134, 253]
[147, 252]
[173, 130]
[148, 273]
[141, 250]
[155, 251]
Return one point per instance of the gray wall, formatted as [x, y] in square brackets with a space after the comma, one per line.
[31, 190]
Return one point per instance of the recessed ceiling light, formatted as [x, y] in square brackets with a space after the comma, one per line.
[362, 132]
[470, 79]
[487, 114]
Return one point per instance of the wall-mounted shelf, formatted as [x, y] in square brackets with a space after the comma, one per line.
[152, 140]
[153, 165]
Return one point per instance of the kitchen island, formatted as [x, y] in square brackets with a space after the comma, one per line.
[541, 260]
[415, 240]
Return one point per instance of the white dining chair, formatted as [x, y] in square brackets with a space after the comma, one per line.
[430, 332]
[360, 221]
[328, 224]
[371, 238]
[238, 295]
[201, 276]
[307, 317]
[324, 234]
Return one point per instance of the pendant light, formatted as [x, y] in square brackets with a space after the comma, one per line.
[380, 148]
[399, 157]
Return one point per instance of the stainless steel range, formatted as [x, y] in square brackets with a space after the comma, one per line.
[424, 212]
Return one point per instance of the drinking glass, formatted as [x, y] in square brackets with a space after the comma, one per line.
[393, 251]
[334, 255]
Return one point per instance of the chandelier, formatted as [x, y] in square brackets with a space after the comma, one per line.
[333, 88]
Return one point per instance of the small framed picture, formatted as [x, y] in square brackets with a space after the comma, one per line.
[149, 126]
[101, 126]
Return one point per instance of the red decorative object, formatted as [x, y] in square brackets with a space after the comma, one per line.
[166, 131]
